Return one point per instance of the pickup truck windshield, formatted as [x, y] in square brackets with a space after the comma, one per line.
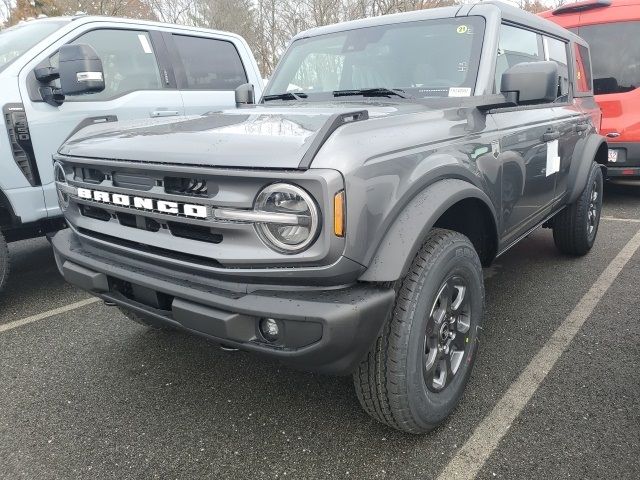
[616, 63]
[17, 40]
[430, 58]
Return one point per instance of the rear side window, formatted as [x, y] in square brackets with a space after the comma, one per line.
[516, 46]
[583, 69]
[615, 53]
[127, 59]
[556, 51]
[210, 64]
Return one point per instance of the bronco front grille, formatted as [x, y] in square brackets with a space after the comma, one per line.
[196, 187]
[205, 216]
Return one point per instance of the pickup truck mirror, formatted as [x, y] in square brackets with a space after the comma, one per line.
[80, 70]
[531, 82]
[245, 95]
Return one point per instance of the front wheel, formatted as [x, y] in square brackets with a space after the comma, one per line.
[575, 228]
[4, 262]
[414, 375]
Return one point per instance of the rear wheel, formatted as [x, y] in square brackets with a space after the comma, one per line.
[4, 262]
[414, 375]
[575, 228]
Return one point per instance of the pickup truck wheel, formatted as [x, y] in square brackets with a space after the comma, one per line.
[575, 228]
[4, 262]
[147, 322]
[416, 371]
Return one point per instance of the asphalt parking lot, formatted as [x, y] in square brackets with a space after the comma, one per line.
[86, 393]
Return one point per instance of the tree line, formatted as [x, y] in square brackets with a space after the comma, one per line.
[267, 25]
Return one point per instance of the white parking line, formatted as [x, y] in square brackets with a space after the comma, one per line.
[47, 314]
[468, 461]
[615, 219]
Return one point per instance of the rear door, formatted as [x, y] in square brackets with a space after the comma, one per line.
[208, 70]
[571, 122]
[138, 85]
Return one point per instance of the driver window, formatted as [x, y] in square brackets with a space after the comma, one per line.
[516, 46]
[127, 59]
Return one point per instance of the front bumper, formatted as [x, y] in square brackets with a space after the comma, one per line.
[628, 163]
[327, 330]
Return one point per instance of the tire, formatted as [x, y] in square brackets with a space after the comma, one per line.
[4, 262]
[575, 228]
[147, 322]
[399, 383]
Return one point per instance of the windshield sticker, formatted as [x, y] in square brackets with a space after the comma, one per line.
[463, 66]
[462, 29]
[459, 92]
[145, 43]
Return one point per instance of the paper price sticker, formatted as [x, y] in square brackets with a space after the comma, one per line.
[459, 92]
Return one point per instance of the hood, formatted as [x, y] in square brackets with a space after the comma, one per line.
[260, 137]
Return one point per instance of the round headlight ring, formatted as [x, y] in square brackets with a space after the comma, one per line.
[265, 233]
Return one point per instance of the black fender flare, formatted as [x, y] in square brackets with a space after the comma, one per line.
[406, 234]
[583, 157]
[5, 204]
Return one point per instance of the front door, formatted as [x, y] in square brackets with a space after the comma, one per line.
[526, 149]
[529, 149]
[135, 89]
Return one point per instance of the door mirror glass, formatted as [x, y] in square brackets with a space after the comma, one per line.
[530, 83]
[80, 70]
[245, 95]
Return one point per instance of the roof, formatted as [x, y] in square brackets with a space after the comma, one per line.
[83, 19]
[522, 17]
[487, 8]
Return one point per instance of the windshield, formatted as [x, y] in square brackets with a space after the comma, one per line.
[17, 40]
[431, 58]
[616, 63]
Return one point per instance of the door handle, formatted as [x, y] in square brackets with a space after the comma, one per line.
[551, 135]
[164, 113]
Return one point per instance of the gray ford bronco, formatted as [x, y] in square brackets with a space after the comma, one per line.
[341, 224]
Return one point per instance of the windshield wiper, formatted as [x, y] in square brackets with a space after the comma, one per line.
[286, 96]
[372, 92]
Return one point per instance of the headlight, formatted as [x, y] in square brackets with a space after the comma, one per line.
[60, 177]
[295, 222]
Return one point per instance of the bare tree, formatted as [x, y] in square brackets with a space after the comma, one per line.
[117, 8]
[172, 11]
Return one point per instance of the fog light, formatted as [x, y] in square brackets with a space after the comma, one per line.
[270, 329]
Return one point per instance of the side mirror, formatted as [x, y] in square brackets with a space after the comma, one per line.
[531, 82]
[245, 95]
[80, 70]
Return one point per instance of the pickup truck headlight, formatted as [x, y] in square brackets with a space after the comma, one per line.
[292, 219]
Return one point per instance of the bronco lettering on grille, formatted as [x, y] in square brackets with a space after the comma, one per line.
[144, 203]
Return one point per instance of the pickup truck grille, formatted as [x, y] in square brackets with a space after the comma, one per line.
[20, 139]
[180, 213]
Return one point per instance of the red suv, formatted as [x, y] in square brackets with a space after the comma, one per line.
[612, 29]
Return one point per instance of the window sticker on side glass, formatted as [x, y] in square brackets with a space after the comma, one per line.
[460, 92]
[553, 159]
[145, 43]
